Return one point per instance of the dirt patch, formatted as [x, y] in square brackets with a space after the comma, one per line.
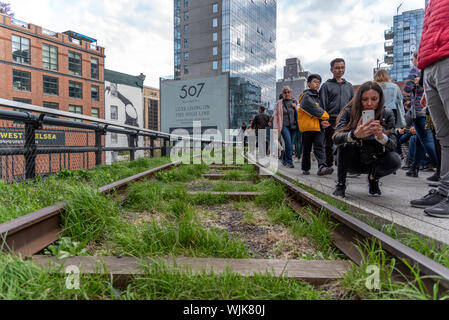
[262, 238]
[200, 185]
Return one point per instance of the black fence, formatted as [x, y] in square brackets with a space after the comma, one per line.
[36, 141]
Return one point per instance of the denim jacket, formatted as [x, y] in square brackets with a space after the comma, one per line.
[393, 101]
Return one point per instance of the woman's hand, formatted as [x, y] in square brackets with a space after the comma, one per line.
[363, 130]
[325, 124]
[377, 129]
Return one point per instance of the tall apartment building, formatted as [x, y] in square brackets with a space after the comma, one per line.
[63, 71]
[237, 37]
[401, 41]
[294, 77]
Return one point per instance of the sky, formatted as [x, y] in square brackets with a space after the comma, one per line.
[138, 34]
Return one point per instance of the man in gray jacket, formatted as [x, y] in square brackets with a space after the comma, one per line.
[335, 94]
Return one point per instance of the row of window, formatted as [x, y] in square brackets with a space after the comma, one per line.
[22, 82]
[214, 67]
[21, 53]
[95, 112]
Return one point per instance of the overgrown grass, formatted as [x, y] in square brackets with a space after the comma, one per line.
[424, 245]
[183, 173]
[22, 280]
[161, 283]
[18, 199]
[359, 282]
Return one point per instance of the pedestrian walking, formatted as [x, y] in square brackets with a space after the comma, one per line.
[433, 58]
[312, 121]
[335, 94]
[260, 125]
[366, 147]
[286, 121]
[393, 97]
[425, 136]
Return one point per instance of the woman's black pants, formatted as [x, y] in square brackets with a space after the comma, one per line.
[348, 160]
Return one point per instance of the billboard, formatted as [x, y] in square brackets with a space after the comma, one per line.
[201, 99]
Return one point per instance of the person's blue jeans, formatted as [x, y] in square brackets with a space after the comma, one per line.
[427, 144]
[298, 144]
[289, 137]
[403, 139]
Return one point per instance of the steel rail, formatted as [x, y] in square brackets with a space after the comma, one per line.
[35, 231]
[353, 230]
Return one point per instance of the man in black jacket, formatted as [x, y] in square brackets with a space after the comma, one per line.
[260, 122]
[335, 94]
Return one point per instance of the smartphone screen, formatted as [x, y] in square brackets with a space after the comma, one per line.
[367, 115]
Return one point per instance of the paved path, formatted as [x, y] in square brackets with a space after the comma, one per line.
[393, 205]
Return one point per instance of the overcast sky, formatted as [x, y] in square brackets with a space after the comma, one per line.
[138, 34]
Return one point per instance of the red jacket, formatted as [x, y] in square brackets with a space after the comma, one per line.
[434, 43]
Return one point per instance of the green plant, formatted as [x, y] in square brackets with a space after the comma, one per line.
[65, 248]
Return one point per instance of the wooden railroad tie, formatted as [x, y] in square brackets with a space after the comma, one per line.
[122, 270]
[230, 195]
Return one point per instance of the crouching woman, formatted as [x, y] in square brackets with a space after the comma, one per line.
[367, 148]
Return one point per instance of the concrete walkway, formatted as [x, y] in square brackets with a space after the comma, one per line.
[393, 205]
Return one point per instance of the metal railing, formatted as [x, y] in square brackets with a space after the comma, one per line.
[37, 141]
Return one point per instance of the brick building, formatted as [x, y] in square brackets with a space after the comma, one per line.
[63, 71]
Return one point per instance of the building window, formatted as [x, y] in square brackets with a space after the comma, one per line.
[50, 85]
[238, 41]
[49, 57]
[215, 51]
[21, 80]
[114, 137]
[77, 110]
[186, 56]
[186, 15]
[215, 22]
[28, 101]
[186, 28]
[186, 3]
[215, 8]
[75, 89]
[21, 49]
[95, 112]
[186, 43]
[114, 113]
[75, 64]
[94, 68]
[95, 93]
[186, 69]
[214, 36]
[51, 105]
[153, 115]
[215, 65]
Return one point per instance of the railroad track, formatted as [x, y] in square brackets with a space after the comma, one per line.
[32, 233]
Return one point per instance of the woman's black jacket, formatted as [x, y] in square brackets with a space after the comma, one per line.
[388, 126]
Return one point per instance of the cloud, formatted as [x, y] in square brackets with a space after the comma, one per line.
[318, 31]
[138, 34]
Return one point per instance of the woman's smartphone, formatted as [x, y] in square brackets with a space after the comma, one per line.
[367, 115]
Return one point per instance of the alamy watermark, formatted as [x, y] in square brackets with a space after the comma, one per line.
[373, 280]
[255, 147]
[72, 281]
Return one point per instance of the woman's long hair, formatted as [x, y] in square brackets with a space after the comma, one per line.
[356, 106]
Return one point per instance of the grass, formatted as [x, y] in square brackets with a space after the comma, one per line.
[358, 284]
[18, 199]
[183, 173]
[22, 280]
[424, 245]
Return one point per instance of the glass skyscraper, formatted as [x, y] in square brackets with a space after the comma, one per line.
[233, 36]
[401, 41]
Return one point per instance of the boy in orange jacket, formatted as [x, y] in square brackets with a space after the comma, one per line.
[311, 118]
